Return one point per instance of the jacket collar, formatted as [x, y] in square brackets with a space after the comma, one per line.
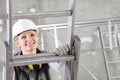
[20, 52]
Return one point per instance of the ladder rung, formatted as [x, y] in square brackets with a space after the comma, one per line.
[115, 77]
[38, 55]
[111, 62]
[43, 15]
[25, 60]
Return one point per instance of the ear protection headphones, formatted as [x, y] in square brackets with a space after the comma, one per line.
[34, 67]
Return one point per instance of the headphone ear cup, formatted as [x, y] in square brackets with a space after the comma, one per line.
[34, 67]
[30, 66]
[40, 66]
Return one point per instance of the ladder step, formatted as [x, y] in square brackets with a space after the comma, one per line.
[43, 15]
[111, 62]
[34, 59]
[38, 55]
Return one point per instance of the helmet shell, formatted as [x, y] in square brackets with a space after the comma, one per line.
[23, 25]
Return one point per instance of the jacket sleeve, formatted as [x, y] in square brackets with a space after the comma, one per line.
[16, 74]
[49, 75]
[46, 69]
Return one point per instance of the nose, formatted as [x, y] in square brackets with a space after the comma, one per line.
[29, 38]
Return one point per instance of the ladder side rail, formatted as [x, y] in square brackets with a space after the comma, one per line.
[9, 24]
[9, 70]
[70, 37]
[104, 53]
[75, 63]
[71, 23]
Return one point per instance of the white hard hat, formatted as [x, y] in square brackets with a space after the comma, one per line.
[22, 25]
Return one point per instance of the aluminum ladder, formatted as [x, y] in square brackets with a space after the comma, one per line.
[111, 30]
[72, 59]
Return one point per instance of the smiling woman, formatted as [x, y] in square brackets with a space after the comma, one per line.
[28, 41]
[25, 36]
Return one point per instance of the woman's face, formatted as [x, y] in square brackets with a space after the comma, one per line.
[28, 42]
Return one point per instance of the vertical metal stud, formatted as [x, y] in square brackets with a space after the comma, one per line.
[110, 34]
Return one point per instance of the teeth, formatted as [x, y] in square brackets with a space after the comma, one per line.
[29, 44]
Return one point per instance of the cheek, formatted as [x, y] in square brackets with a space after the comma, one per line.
[20, 43]
[37, 40]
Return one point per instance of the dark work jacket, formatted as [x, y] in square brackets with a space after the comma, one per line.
[24, 73]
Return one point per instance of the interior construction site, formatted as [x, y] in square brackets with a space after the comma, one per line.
[91, 28]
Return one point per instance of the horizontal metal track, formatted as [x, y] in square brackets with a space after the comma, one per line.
[85, 23]
[100, 50]
[36, 59]
[115, 77]
[43, 15]
[111, 62]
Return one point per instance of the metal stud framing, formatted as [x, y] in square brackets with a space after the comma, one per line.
[107, 63]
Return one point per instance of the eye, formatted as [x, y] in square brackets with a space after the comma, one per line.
[23, 37]
[32, 35]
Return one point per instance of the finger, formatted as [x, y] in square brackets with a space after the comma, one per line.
[57, 51]
[66, 48]
[61, 51]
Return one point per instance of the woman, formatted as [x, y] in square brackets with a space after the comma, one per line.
[25, 36]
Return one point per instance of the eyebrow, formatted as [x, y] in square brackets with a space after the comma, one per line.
[26, 30]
